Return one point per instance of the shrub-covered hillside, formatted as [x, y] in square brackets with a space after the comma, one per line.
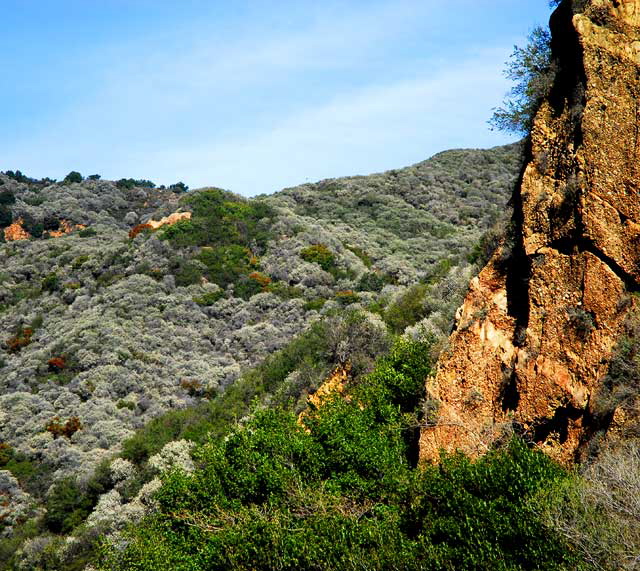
[111, 319]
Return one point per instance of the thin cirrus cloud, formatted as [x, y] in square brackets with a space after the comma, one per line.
[323, 92]
[365, 129]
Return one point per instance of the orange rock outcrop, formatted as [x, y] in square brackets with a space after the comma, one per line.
[536, 331]
[169, 220]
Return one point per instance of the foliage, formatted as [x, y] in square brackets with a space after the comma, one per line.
[599, 513]
[533, 70]
[620, 388]
[321, 255]
[68, 429]
[7, 197]
[209, 298]
[220, 218]
[20, 340]
[129, 183]
[50, 282]
[6, 217]
[73, 177]
[408, 309]
[335, 489]
[87, 232]
[347, 297]
[179, 187]
[581, 321]
[140, 228]
[56, 364]
[226, 264]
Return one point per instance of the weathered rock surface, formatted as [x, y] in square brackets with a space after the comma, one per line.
[535, 333]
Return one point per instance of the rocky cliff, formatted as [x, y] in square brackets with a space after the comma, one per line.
[535, 334]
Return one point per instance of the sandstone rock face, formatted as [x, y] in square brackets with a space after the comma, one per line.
[169, 220]
[539, 323]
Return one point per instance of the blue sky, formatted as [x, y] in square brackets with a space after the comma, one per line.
[252, 96]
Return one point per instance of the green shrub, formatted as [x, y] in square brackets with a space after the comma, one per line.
[209, 298]
[80, 261]
[284, 291]
[87, 232]
[336, 490]
[321, 255]
[408, 309]
[227, 264]
[220, 218]
[534, 71]
[364, 257]
[347, 297]
[50, 283]
[6, 217]
[179, 187]
[7, 197]
[315, 304]
[371, 281]
[73, 176]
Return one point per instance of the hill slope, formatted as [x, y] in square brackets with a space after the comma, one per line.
[109, 322]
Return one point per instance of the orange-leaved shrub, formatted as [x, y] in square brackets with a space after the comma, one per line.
[56, 364]
[21, 339]
[139, 228]
[68, 429]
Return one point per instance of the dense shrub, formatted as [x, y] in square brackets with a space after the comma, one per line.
[20, 340]
[338, 492]
[179, 187]
[73, 176]
[7, 197]
[56, 364]
[226, 264]
[6, 217]
[87, 232]
[319, 254]
[209, 298]
[220, 218]
[129, 183]
[408, 309]
[50, 283]
[139, 228]
[68, 429]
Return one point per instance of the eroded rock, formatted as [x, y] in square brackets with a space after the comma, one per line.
[538, 326]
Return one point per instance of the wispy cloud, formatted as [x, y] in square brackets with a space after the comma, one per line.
[256, 111]
[365, 130]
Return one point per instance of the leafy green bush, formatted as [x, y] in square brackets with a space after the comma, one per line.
[129, 183]
[187, 273]
[6, 217]
[7, 197]
[408, 309]
[73, 176]
[321, 255]
[220, 218]
[227, 264]
[335, 489]
[87, 232]
[209, 298]
[50, 283]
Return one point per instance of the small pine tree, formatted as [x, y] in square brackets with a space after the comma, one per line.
[533, 70]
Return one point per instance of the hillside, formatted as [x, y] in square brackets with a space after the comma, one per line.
[111, 318]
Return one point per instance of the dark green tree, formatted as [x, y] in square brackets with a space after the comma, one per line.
[73, 176]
